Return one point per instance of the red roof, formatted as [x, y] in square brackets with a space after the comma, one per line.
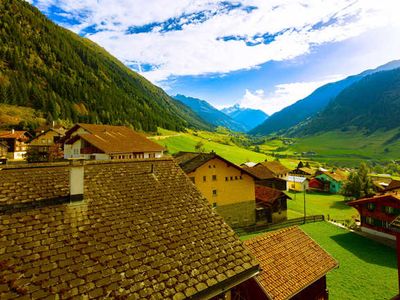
[268, 195]
[373, 199]
[17, 134]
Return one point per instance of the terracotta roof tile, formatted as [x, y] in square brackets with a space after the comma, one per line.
[268, 195]
[139, 233]
[290, 261]
[116, 139]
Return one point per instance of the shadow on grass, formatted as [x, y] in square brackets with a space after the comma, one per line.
[340, 204]
[368, 250]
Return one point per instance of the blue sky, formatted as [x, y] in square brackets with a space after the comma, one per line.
[260, 54]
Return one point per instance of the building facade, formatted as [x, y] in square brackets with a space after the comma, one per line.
[229, 189]
[16, 142]
[377, 213]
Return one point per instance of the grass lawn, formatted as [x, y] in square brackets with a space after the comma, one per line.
[367, 269]
[320, 204]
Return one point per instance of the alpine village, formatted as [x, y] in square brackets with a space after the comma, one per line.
[110, 188]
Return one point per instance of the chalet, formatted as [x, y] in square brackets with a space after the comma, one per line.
[293, 267]
[227, 187]
[104, 142]
[276, 168]
[16, 143]
[297, 183]
[113, 229]
[334, 178]
[265, 177]
[47, 139]
[303, 172]
[3, 150]
[271, 205]
[377, 213]
[393, 186]
[318, 185]
[395, 227]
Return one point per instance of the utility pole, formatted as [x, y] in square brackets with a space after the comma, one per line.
[304, 206]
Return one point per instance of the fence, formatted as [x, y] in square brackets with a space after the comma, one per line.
[270, 227]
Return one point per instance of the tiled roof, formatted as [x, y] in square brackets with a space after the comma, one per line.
[190, 161]
[308, 170]
[268, 195]
[259, 171]
[275, 167]
[17, 134]
[116, 139]
[143, 230]
[393, 185]
[373, 199]
[290, 261]
[336, 175]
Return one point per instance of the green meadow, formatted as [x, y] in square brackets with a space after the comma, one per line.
[367, 270]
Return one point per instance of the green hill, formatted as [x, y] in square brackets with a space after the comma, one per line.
[65, 76]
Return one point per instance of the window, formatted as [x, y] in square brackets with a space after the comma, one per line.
[226, 178]
[204, 178]
[209, 166]
[76, 151]
[240, 177]
[192, 179]
[214, 192]
[231, 178]
[214, 166]
[371, 207]
[214, 205]
[236, 177]
[214, 177]
[389, 210]
[369, 220]
[292, 185]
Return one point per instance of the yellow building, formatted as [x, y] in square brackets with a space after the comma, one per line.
[227, 187]
[297, 184]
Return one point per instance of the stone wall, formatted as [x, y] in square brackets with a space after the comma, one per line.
[240, 214]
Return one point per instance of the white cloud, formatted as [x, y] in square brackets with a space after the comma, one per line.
[283, 95]
[197, 48]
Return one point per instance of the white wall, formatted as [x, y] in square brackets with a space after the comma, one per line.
[378, 233]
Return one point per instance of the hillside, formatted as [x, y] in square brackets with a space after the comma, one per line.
[368, 105]
[312, 104]
[210, 114]
[248, 117]
[65, 76]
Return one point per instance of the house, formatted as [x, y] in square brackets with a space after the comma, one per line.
[377, 213]
[265, 177]
[293, 267]
[395, 227]
[113, 229]
[297, 184]
[318, 185]
[276, 168]
[104, 142]
[3, 150]
[393, 186]
[47, 139]
[271, 205]
[16, 143]
[303, 172]
[335, 179]
[227, 187]
[248, 164]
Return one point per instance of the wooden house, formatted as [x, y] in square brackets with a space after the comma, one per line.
[276, 168]
[293, 267]
[297, 183]
[139, 230]
[265, 177]
[393, 186]
[3, 150]
[104, 142]
[47, 139]
[335, 179]
[227, 187]
[16, 143]
[303, 172]
[318, 185]
[377, 213]
[271, 205]
[395, 227]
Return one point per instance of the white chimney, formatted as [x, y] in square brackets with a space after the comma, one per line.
[76, 179]
[12, 131]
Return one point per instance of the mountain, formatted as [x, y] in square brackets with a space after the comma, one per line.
[248, 117]
[65, 76]
[210, 114]
[371, 104]
[312, 104]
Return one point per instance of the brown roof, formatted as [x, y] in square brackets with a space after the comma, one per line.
[268, 195]
[115, 139]
[337, 175]
[275, 167]
[17, 134]
[190, 161]
[395, 225]
[259, 171]
[143, 230]
[290, 261]
[373, 199]
[393, 185]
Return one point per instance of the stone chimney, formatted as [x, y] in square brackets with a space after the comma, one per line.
[76, 180]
